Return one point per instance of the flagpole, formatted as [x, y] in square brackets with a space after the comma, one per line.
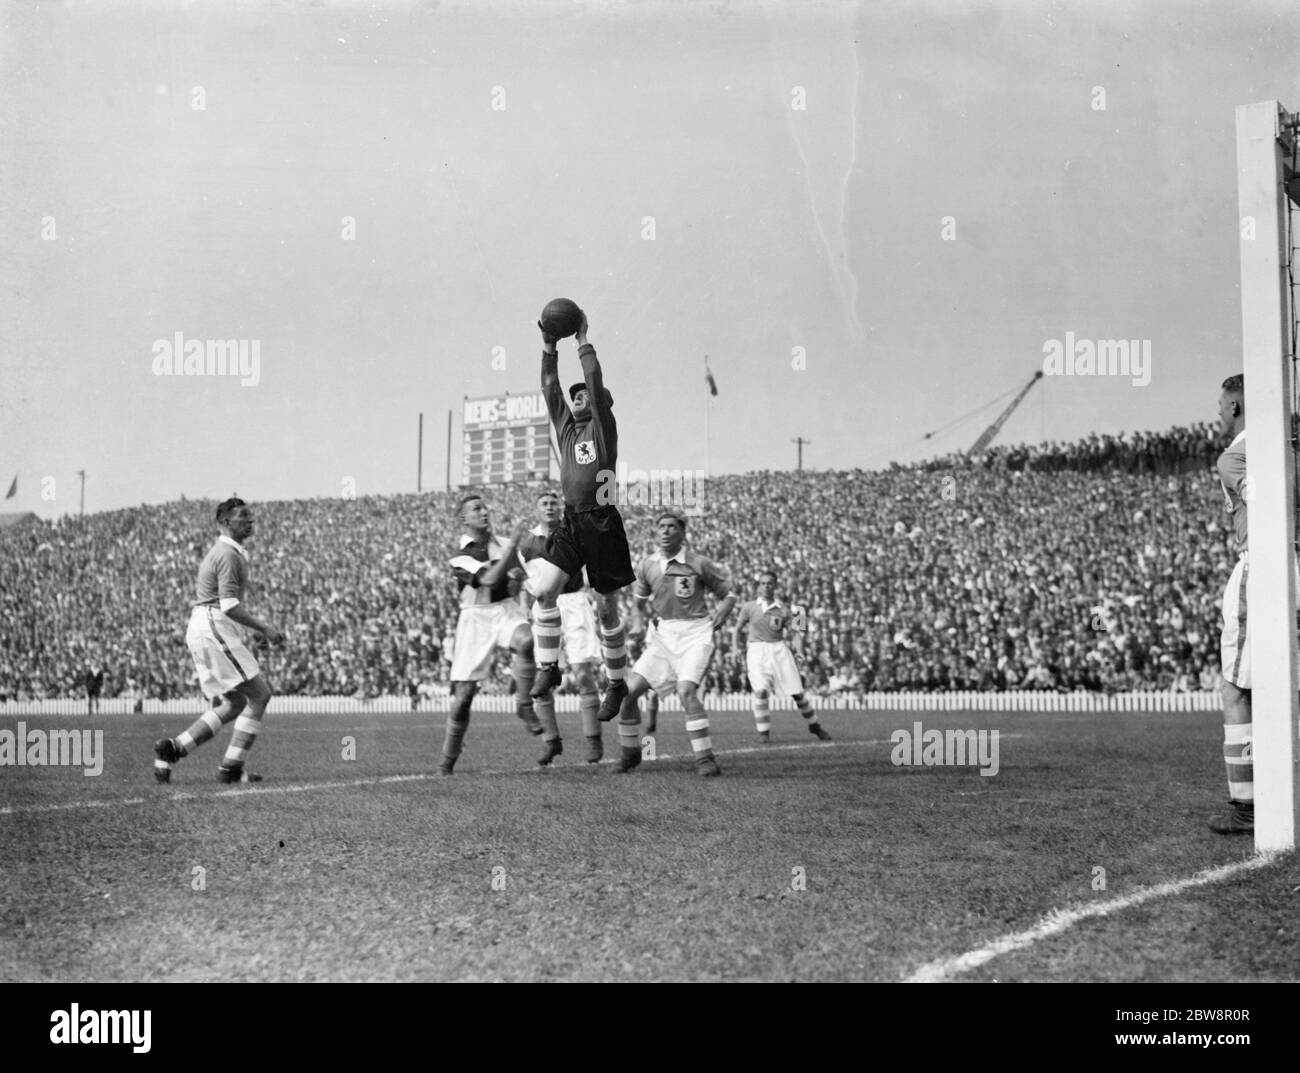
[708, 405]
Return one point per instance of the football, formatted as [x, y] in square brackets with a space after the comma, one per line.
[561, 318]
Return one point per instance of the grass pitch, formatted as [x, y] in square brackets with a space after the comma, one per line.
[373, 868]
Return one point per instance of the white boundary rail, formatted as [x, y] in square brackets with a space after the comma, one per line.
[1026, 701]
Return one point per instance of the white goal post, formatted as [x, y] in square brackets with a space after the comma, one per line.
[1266, 189]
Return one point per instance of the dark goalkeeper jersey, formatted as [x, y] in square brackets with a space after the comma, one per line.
[588, 449]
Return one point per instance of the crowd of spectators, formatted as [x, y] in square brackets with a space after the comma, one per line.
[1096, 565]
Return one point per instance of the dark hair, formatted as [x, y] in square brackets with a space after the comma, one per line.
[460, 507]
[1236, 385]
[763, 573]
[227, 507]
[675, 515]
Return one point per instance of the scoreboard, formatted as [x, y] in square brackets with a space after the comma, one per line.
[505, 438]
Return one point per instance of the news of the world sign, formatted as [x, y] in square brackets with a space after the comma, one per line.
[505, 438]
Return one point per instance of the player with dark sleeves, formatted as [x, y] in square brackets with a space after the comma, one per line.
[591, 532]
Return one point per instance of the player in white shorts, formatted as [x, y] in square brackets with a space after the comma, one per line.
[1233, 645]
[490, 618]
[228, 674]
[770, 661]
[580, 636]
[679, 642]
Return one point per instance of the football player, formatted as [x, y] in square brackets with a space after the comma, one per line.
[679, 643]
[769, 657]
[590, 533]
[1234, 649]
[581, 644]
[218, 642]
[490, 618]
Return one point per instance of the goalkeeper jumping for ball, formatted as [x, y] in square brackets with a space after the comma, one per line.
[591, 531]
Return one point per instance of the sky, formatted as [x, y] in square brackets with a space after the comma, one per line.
[870, 217]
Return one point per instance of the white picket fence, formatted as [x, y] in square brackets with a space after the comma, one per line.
[1020, 701]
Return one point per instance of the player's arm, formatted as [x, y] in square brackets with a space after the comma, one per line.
[232, 607]
[717, 582]
[493, 575]
[551, 389]
[741, 625]
[641, 592]
[594, 377]
[798, 635]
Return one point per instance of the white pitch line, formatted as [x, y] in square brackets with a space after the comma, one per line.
[1059, 920]
[249, 792]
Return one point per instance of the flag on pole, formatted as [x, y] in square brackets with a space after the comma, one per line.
[13, 488]
[708, 376]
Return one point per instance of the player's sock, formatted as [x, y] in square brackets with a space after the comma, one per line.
[697, 725]
[614, 644]
[523, 670]
[545, 707]
[246, 730]
[1238, 761]
[762, 715]
[457, 724]
[205, 727]
[629, 733]
[807, 710]
[546, 634]
[589, 706]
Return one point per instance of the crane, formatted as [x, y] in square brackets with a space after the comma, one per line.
[988, 435]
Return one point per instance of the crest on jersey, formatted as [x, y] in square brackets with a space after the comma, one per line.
[684, 586]
[776, 620]
[585, 452]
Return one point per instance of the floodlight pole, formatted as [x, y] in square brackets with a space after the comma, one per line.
[1264, 134]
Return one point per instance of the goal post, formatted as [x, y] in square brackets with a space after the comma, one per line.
[1265, 192]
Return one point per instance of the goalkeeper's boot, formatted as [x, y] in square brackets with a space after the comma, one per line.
[551, 750]
[630, 759]
[820, 731]
[765, 737]
[446, 765]
[548, 677]
[595, 749]
[706, 767]
[1239, 820]
[165, 755]
[613, 702]
[236, 774]
[531, 723]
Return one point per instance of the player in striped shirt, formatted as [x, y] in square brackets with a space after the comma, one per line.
[679, 644]
[490, 618]
[228, 674]
[581, 638]
[769, 658]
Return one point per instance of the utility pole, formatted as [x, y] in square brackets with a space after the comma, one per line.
[82, 474]
[419, 458]
[801, 441]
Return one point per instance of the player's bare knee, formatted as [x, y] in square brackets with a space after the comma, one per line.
[686, 691]
[761, 694]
